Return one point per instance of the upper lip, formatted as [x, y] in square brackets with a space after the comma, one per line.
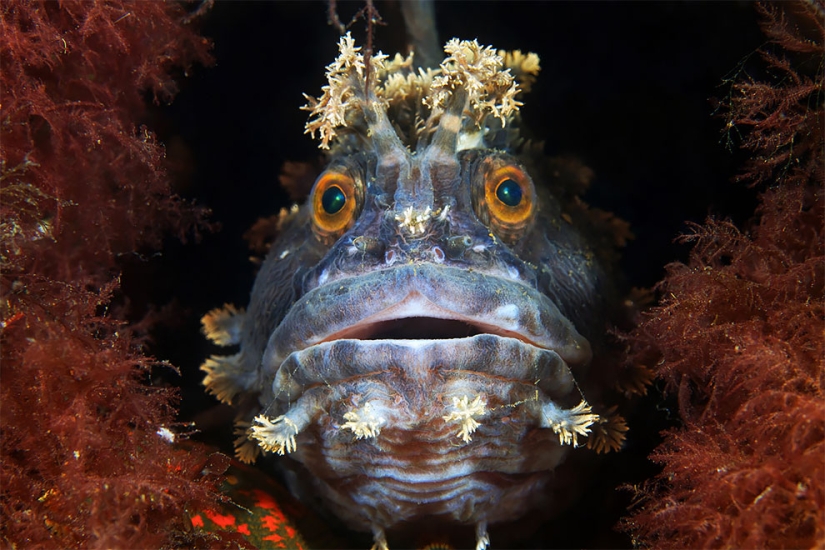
[373, 305]
[416, 317]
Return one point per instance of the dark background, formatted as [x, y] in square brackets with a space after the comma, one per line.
[626, 87]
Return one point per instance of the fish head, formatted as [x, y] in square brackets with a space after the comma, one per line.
[417, 336]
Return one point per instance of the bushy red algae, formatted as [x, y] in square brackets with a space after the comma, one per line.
[738, 334]
[87, 459]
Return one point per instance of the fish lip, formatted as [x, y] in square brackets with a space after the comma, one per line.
[417, 306]
[494, 305]
[485, 355]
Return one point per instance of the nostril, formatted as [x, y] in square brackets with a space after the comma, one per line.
[369, 245]
[456, 246]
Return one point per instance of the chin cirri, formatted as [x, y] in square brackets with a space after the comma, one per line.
[419, 336]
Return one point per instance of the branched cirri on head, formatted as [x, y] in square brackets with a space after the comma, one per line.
[419, 336]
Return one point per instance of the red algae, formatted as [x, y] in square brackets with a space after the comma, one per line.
[86, 453]
[738, 333]
[74, 78]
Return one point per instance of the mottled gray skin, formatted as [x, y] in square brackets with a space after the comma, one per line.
[531, 309]
[421, 354]
[553, 257]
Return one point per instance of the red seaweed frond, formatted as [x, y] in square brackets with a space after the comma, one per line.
[783, 119]
[738, 335]
[87, 456]
[73, 79]
[86, 449]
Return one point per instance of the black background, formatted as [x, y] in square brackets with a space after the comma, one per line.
[626, 87]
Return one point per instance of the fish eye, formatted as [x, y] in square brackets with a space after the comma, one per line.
[334, 204]
[333, 199]
[508, 201]
[509, 192]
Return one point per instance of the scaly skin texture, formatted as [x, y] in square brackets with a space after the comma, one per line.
[419, 336]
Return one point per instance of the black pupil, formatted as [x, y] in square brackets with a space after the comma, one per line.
[509, 192]
[333, 200]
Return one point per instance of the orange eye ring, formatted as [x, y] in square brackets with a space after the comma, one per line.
[334, 204]
[509, 197]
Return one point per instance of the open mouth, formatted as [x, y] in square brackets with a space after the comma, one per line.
[420, 353]
[424, 303]
[412, 328]
[414, 317]
[417, 318]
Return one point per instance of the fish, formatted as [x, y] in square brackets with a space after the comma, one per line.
[419, 338]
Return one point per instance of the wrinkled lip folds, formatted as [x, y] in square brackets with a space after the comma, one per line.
[415, 318]
[424, 303]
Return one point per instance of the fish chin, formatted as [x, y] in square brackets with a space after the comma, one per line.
[431, 389]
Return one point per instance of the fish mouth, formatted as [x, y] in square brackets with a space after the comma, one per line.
[416, 317]
[419, 304]
[424, 355]
[413, 328]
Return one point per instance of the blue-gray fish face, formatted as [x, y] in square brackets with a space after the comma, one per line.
[418, 333]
